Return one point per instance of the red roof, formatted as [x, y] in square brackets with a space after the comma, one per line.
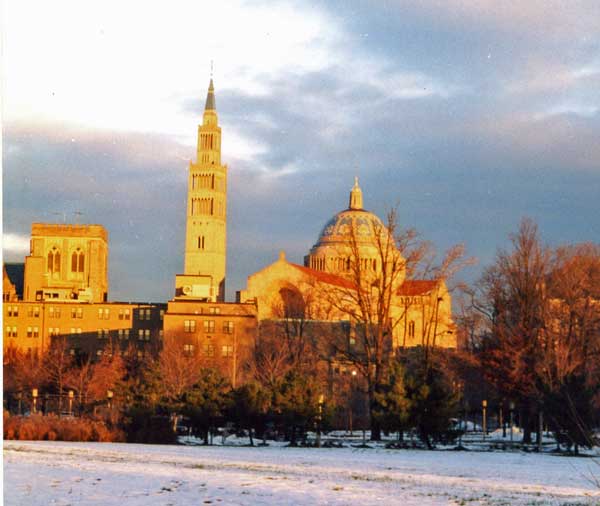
[325, 277]
[417, 287]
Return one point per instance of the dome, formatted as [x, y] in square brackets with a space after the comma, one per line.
[333, 251]
[339, 229]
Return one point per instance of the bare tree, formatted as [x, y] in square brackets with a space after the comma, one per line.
[370, 304]
[56, 363]
[541, 341]
[92, 379]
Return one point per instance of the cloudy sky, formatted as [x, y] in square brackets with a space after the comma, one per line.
[467, 114]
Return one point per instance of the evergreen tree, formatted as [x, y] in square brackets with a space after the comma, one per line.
[296, 403]
[394, 407]
[433, 402]
[206, 401]
[248, 408]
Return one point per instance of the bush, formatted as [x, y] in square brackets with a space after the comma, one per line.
[52, 428]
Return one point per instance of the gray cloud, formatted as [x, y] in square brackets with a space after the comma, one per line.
[506, 125]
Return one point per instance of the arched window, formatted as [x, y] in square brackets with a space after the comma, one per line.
[54, 261]
[78, 261]
[292, 304]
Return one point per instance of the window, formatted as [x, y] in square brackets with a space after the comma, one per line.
[11, 331]
[411, 329]
[227, 350]
[189, 325]
[209, 325]
[75, 331]
[53, 312]
[53, 331]
[103, 313]
[78, 262]
[76, 312]
[123, 333]
[124, 314]
[145, 314]
[188, 349]
[144, 334]
[162, 314]
[201, 242]
[29, 332]
[54, 261]
[33, 311]
[36, 332]
[228, 327]
[209, 350]
[215, 310]
[102, 333]
[13, 310]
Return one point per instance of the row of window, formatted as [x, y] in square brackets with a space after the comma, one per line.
[31, 331]
[203, 181]
[143, 334]
[209, 350]
[208, 326]
[100, 352]
[411, 300]
[77, 312]
[77, 261]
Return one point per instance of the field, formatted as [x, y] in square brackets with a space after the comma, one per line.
[108, 474]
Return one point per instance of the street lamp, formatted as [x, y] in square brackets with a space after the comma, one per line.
[71, 396]
[484, 424]
[109, 396]
[511, 407]
[319, 418]
[350, 411]
[34, 394]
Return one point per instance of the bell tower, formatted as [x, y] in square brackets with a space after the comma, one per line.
[206, 222]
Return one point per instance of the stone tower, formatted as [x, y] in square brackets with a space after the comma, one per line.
[67, 262]
[206, 224]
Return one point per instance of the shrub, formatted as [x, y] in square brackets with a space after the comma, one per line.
[52, 428]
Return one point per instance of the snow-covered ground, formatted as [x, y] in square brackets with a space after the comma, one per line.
[110, 474]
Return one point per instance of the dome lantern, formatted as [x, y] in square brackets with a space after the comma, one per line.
[356, 199]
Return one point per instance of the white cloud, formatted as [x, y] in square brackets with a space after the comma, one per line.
[123, 65]
[13, 244]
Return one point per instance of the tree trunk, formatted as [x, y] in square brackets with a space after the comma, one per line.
[526, 423]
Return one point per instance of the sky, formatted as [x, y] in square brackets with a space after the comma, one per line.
[466, 115]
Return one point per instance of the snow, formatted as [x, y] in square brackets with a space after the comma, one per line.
[111, 474]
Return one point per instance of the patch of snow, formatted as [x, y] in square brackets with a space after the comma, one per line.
[112, 474]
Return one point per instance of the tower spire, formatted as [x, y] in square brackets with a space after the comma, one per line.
[210, 97]
[356, 199]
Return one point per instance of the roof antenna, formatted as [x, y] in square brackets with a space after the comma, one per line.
[63, 214]
[77, 214]
[211, 69]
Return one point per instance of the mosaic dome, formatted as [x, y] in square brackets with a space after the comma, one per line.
[333, 251]
[340, 228]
